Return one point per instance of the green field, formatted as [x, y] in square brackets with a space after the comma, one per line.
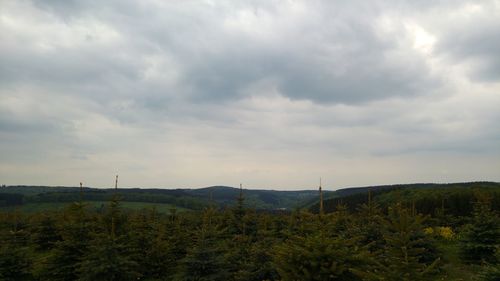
[53, 206]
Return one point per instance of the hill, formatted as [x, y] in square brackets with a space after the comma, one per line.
[191, 199]
[454, 198]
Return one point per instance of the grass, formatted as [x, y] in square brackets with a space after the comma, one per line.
[53, 206]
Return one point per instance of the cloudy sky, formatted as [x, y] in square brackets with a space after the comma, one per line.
[273, 94]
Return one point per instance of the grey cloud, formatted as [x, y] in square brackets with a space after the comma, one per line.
[475, 39]
[352, 66]
[238, 84]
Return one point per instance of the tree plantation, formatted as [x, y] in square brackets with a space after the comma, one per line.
[371, 241]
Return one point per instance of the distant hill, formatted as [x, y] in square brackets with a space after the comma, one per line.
[426, 197]
[456, 198]
[193, 199]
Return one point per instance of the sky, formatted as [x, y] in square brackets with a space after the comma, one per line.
[271, 94]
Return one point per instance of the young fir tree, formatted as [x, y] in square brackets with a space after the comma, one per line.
[369, 219]
[319, 257]
[406, 246]
[147, 241]
[257, 265]
[15, 263]
[205, 260]
[482, 237]
[491, 272]
[64, 259]
[108, 259]
[44, 232]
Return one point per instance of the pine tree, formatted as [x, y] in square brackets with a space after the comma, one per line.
[318, 257]
[15, 263]
[150, 249]
[368, 228]
[108, 259]
[205, 260]
[482, 237]
[44, 232]
[64, 259]
[406, 246]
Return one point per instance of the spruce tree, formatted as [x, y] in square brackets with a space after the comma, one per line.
[64, 259]
[482, 237]
[44, 232]
[369, 220]
[108, 259]
[205, 260]
[406, 247]
[149, 247]
[15, 263]
[318, 257]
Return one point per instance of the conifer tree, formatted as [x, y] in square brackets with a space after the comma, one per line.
[15, 263]
[482, 237]
[108, 259]
[205, 260]
[318, 257]
[406, 246]
[44, 232]
[150, 249]
[64, 259]
[368, 228]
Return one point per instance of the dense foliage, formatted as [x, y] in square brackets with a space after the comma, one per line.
[238, 243]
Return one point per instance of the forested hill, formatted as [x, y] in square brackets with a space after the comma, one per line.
[193, 199]
[453, 198]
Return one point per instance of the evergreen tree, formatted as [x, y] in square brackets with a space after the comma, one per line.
[150, 249]
[44, 232]
[64, 259]
[369, 220]
[482, 237]
[15, 263]
[406, 246]
[108, 259]
[205, 260]
[318, 257]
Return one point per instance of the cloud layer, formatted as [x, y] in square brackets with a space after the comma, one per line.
[269, 93]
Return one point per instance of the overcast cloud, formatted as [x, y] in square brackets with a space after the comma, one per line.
[273, 94]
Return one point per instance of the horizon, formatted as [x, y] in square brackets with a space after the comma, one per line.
[272, 94]
[252, 188]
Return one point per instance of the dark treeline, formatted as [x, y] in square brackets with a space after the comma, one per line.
[456, 200]
[195, 199]
[134, 195]
[237, 243]
[11, 199]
